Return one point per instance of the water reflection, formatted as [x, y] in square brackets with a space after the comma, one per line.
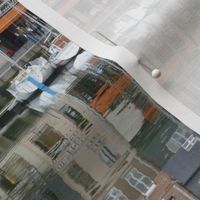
[72, 119]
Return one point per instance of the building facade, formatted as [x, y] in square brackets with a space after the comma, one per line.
[77, 126]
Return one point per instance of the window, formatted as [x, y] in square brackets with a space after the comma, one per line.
[179, 137]
[139, 181]
[75, 116]
[16, 129]
[106, 152]
[115, 194]
[190, 142]
[6, 6]
[18, 177]
[50, 141]
[80, 176]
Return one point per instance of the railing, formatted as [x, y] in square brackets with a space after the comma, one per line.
[6, 6]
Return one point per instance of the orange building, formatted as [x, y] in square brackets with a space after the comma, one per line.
[107, 94]
[150, 112]
[11, 16]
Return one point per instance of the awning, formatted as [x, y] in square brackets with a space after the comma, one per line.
[11, 16]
